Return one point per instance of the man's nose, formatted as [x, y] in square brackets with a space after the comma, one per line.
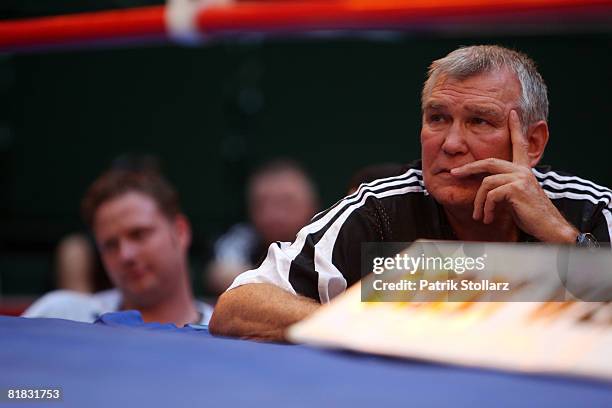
[454, 143]
[127, 250]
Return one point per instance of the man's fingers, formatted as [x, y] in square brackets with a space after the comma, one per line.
[520, 145]
[489, 183]
[495, 196]
[491, 165]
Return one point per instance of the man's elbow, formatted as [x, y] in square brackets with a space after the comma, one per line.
[221, 321]
[258, 311]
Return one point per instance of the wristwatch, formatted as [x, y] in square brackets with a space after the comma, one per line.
[586, 240]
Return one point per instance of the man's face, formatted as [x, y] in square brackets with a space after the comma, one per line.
[280, 204]
[465, 121]
[142, 250]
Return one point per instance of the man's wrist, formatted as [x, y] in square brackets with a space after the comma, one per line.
[568, 235]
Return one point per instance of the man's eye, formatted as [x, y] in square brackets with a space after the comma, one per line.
[436, 118]
[140, 233]
[479, 121]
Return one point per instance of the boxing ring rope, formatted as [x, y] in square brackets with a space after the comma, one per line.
[182, 22]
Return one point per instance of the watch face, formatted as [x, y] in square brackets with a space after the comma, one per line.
[587, 241]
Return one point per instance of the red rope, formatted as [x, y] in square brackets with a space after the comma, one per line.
[85, 27]
[356, 14]
[292, 16]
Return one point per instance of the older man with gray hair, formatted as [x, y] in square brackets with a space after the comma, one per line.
[484, 131]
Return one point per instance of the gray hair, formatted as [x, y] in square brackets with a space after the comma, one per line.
[465, 62]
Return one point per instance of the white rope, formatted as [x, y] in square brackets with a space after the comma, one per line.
[181, 19]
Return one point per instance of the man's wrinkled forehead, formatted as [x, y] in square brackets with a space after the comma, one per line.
[479, 109]
[488, 90]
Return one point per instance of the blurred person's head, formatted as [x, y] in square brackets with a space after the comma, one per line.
[466, 103]
[281, 200]
[373, 172]
[142, 236]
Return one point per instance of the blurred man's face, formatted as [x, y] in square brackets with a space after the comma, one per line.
[142, 250]
[465, 121]
[280, 205]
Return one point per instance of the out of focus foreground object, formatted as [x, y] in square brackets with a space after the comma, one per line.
[554, 315]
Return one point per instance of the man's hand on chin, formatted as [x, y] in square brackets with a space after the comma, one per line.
[514, 183]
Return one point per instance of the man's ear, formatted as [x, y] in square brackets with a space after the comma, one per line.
[183, 230]
[537, 137]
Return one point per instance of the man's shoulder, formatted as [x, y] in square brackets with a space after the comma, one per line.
[398, 193]
[368, 196]
[410, 181]
[392, 207]
[108, 299]
[67, 304]
[559, 185]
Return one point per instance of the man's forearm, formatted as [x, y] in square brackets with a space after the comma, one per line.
[259, 311]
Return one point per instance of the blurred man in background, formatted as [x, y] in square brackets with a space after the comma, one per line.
[281, 199]
[78, 265]
[143, 239]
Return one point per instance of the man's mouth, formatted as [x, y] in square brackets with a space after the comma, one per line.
[136, 273]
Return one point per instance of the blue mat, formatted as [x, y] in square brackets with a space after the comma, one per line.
[122, 362]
